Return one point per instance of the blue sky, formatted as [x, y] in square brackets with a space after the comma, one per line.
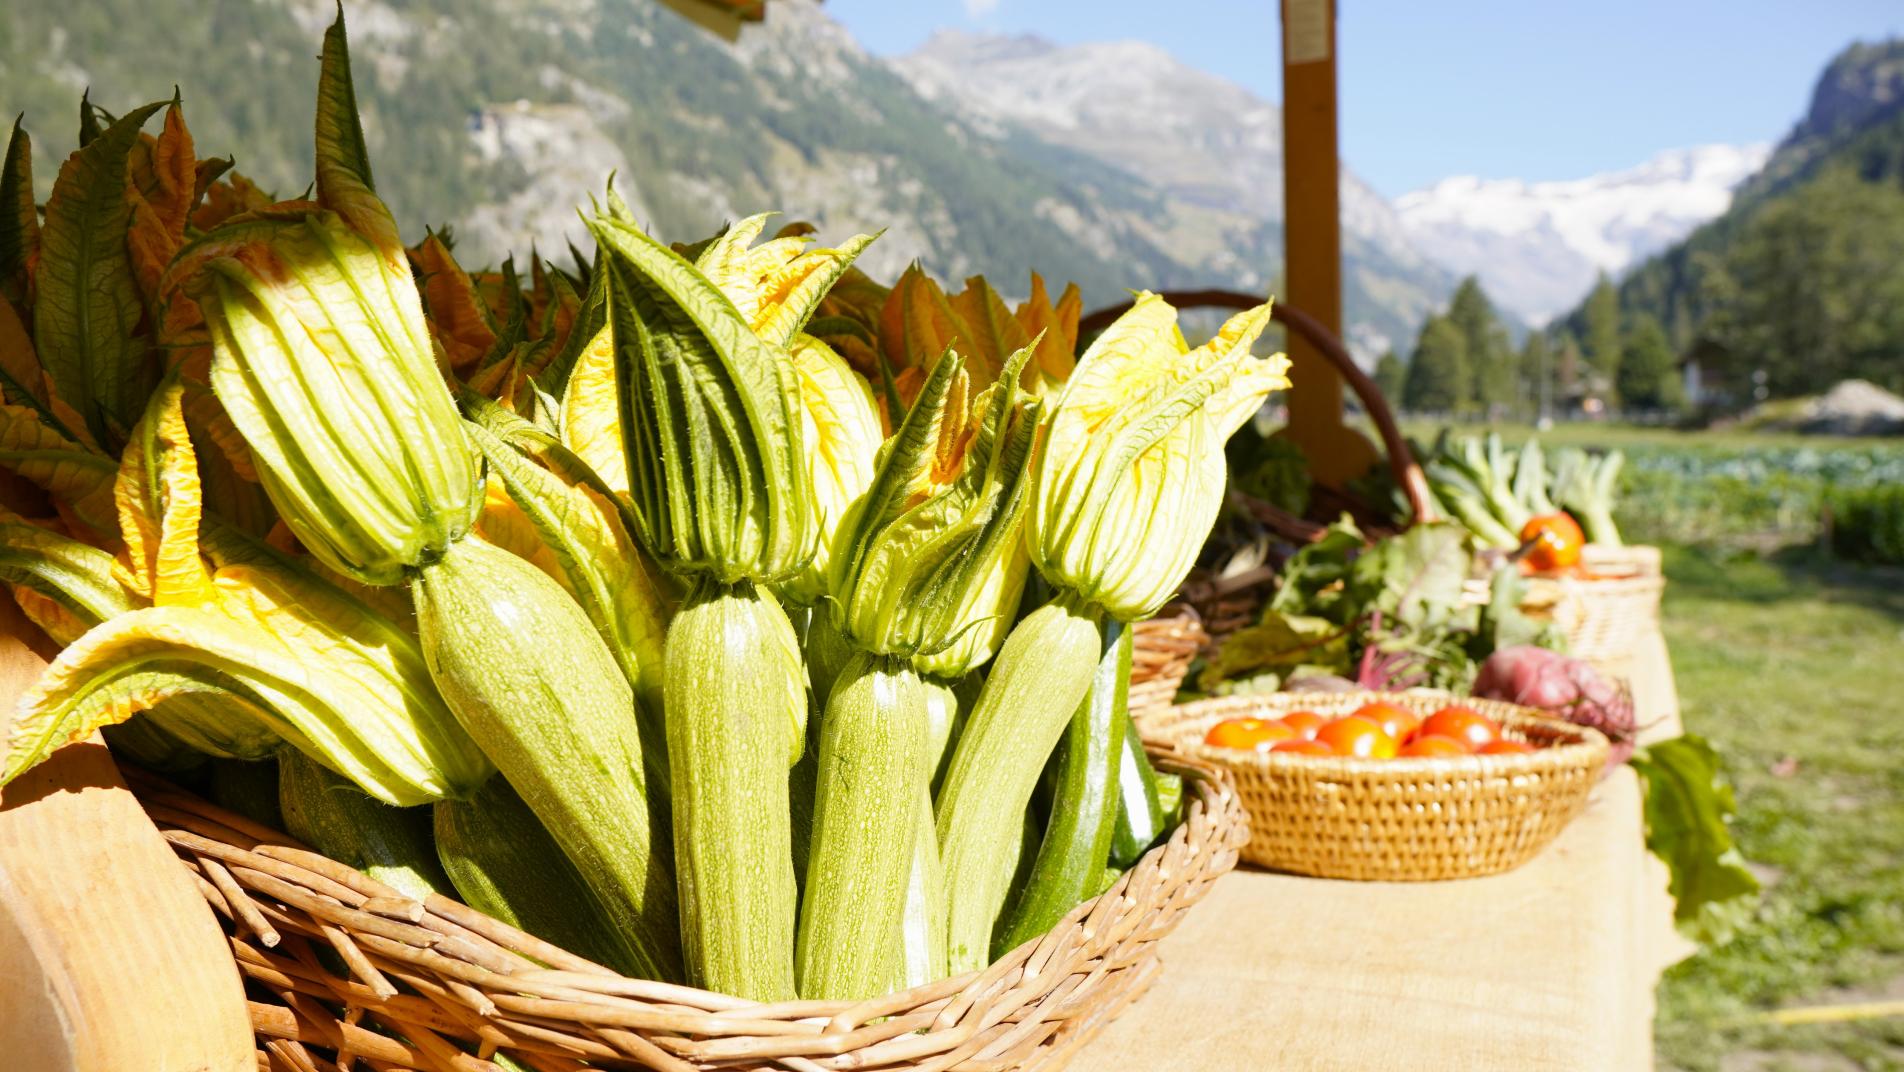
[1531, 89]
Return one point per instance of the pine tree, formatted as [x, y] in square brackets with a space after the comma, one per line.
[1390, 376]
[1649, 374]
[1490, 354]
[1603, 345]
[1438, 379]
[1567, 361]
[1536, 373]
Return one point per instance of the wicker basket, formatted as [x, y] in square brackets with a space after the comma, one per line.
[344, 972]
[1606, 618]
[1162, 649]
[1409, 819]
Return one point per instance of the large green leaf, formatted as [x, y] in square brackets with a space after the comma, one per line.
[86, 321]
[1689, 805]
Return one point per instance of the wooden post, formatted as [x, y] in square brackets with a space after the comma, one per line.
[1312, 239]
[111, 958]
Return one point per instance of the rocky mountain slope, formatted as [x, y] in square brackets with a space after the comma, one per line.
[1539, 246]
[1210, 145]
[1853, 128]
[499, 117]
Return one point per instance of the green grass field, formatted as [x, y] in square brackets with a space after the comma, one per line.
[1794, 668]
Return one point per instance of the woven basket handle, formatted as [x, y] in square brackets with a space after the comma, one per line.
[1401, 460]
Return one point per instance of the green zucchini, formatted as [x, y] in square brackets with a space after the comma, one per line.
[250, 789]
[505, 865]
[326, 811]
[922, 928]
[943, 717]
[871, 775]
[1141, 818]
[1040, 676]
[736, 707]
[534, 684]
[1083, 811]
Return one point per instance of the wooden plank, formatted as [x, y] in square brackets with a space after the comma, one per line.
[112, 960]
[1312, 237]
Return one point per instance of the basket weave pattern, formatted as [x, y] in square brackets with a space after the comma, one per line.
[1162, 650]
[1608, 613]
[1408, 819]
[438, 986]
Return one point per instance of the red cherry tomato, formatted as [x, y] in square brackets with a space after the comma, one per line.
[1505, 747]
[1557, 541]
[1396, 721]
[1434, 746]
[1357, 736]
[1303, 746]
[1463, 724]
[1305, 723]
[1247, 734]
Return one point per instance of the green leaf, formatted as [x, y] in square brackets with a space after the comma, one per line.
[341, 152]
[87, 319]
[19, 220]
[344, 183]
[1689, 805]
[1310, 579]
[90, 116]
[1413, 579]
[1280, 645]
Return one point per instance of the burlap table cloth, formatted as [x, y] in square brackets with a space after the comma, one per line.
[1549, 967]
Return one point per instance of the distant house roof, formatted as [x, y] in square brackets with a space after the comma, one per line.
[723, 17]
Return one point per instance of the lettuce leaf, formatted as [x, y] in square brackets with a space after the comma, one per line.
[1689, 804]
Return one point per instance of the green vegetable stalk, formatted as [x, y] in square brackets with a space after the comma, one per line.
[533, 683]
[328, 813]
[923, 564]
[1124, 487]
[719, 493]
[1077, 840]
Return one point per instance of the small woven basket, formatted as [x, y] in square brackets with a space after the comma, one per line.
[1606, 617]
[1397, 820]
[1162, 649]
[345, 973]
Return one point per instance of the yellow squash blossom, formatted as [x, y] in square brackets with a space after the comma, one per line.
[283, 649]
[1129, 472]
[325, 364]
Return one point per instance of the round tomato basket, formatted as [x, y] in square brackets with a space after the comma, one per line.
[1398, 820]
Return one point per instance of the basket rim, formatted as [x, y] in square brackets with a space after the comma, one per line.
[1034, 1002]
[1579, 745]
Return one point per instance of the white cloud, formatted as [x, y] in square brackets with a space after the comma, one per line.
[978, 9]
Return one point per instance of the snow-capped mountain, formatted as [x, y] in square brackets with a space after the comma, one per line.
[1537, 247]
[1210, 145]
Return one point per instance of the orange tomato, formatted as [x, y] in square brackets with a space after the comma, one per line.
[1396, 721]
[1463, 724]
[1505, 747]
[1303, 746]
[1434, 745]
[1557, 540]
[1247, 734]
[1357, 736]
[1305, 723]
